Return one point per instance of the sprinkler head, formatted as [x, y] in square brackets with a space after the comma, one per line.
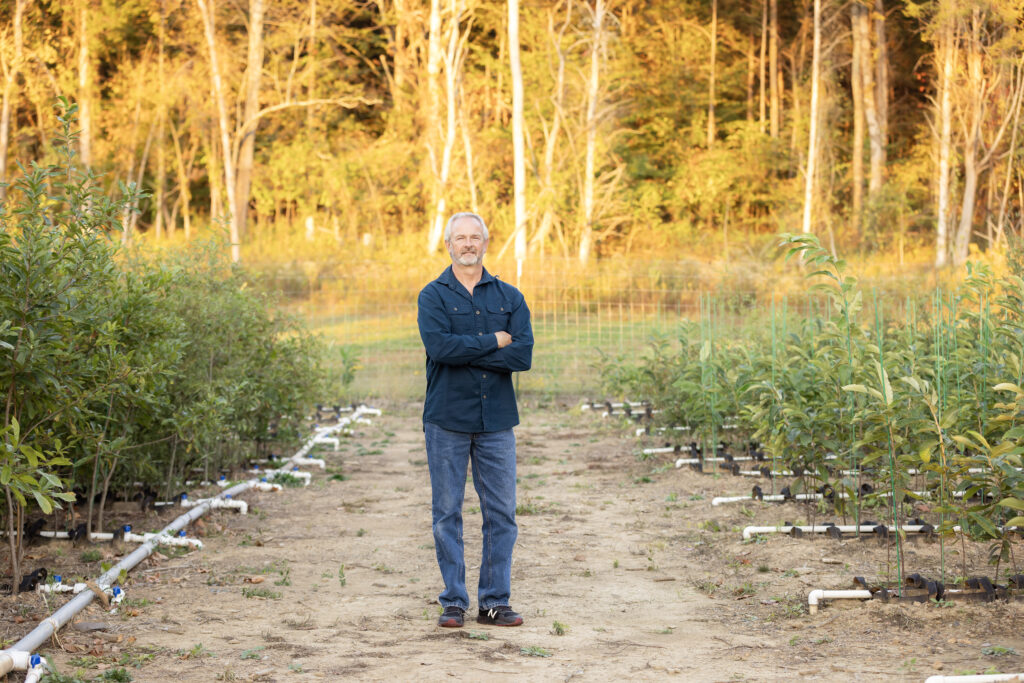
[117, 591]
[263, 479]
[227, 497]
[223, 478]
[181, 534]
[127, 528]
[34, 661]
[56, 578]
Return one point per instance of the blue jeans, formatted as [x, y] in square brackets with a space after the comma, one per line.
[493, 455]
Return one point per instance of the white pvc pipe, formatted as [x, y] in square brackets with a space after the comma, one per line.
[18, 656]
[976, 678]
[819, 594]
[773, 498]
[822, 529]
[298, 474]
[226, 502]
[643, 430]
[35, 673]
[329, 439]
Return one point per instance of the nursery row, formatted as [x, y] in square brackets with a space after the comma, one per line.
[927, 406]
[120, 374]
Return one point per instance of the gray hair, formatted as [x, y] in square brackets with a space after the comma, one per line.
[464, 214]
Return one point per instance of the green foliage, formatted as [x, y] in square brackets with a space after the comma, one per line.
[929, 406]
[117, 369]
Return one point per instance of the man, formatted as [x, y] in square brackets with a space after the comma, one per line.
[476, 332]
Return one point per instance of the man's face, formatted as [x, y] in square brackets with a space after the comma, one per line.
[467, 244]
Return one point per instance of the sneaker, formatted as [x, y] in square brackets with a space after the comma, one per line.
[452, 617]
[499, 615]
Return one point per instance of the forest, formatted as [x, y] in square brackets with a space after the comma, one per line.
[579, 129]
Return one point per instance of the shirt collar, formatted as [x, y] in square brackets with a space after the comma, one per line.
[448, 278]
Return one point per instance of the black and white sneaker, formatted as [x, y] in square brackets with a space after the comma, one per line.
[499, 615]
[452, 617]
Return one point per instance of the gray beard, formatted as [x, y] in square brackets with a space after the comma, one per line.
[468, 259]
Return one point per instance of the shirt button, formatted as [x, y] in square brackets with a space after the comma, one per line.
[478, 312]
[484, 375]
[485, 395]
[479, 334]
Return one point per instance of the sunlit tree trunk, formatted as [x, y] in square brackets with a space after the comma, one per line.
[159, 184]
[761, 99]
[432, 125]
[869, 92]
[551, 134]
[183, 183]
[593, 91]
[972, 140]
[452, 60]
[773, 68]
[857, 92]
[518, 145]
[882, 76]
[206, 10]
[12, 67]
[751, 76]
[812, 141]
[84, 85]
[711, 74]
[947, 53]
[247, 144]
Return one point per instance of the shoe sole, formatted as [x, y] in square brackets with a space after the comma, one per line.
[488, 622]
[450, 623]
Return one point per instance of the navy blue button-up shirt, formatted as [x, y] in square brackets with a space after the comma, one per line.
[469, 379]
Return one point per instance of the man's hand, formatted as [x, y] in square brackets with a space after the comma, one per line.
[504, 339]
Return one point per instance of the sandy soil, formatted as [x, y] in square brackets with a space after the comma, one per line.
[623, 570]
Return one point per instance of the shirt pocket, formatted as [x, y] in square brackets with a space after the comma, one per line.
[498, 314]
[461, 316]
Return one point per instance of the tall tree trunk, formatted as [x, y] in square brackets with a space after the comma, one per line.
[452, 60]
[158, 219]
[972, 141]
[857, 92]
[882, 73]
[10, 80]
[947, 54]
[84, 85]
[751, 77]
[547, 194]
[432, 124]
[761, 101]
[812, 141]
[206, 8]
[773, 67]
[871, 113]
[711, 74]
[183, 184]
[518, 146]
[248, 127]
[593, 91]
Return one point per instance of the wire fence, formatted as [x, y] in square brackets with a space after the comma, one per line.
[578, 315]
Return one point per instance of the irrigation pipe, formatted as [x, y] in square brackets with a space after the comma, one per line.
[18, 655]
[779, 498]
[819, 594]
[641, 431]
[750, 531]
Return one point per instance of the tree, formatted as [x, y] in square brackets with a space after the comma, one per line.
[518, 145]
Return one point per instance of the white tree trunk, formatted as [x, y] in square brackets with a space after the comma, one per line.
[947, 53]
[775, 114]
[857, 91]
[518, 146]
[432, 125]
[84, 86]
[812, 142]
[247, 145]
[972, 142]
[711, 74]
[593, 91]
[13, 67]
[206, 10]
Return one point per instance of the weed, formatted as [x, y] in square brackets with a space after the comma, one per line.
[710, 525]
[559, 629]
[615, 564]
[285, 579]
[341, 576]
[478, 635]
[706, 586]
[289, 481]
[361, 532]
[91, 555]
[790, 573]
[744, 590]
[794, 641]
[672, 497]
[997, 651]
[534, 651]
[252, 592]
[763, 568]
[119, 675]
[197, 651]
[254, 653]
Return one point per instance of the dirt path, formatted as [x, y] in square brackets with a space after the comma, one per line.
[619, 556]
